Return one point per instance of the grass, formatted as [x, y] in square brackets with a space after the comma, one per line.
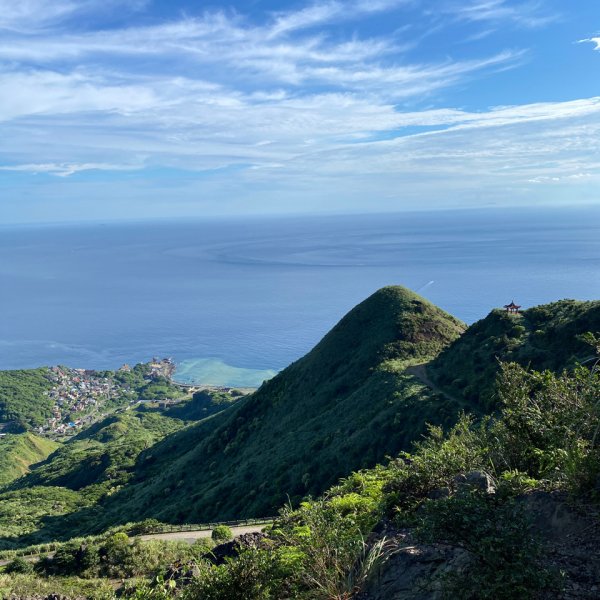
[18, 452]
[542, 337]
[23, 398]
[345, 405]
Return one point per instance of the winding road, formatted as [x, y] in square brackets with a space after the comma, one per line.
[185, 536]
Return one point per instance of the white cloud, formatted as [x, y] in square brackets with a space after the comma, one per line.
[526, 14]
[594, 40]
[33, 15]
[276, 101]
[325, 12]
[65, 169]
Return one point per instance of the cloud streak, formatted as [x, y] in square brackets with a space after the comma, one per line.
[301, 104]
[525, 14]
[594, 40]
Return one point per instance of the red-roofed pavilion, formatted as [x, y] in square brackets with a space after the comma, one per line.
[512, 307]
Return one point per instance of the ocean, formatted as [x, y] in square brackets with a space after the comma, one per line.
[233, 301]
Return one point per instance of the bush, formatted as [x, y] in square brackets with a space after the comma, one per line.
[505, 555]
[253, 575]
[221, 533]
[550, 425]
[434, 463]
[19, 565]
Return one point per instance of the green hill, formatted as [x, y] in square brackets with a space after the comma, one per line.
[23, 396]
[77, 474]
[103, 454]
[542, 337]
[19, 452]
[345, 405]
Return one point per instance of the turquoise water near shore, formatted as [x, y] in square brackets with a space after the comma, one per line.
[212, 371]
[232, 301]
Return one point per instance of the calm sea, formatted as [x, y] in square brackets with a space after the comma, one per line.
[232, 301]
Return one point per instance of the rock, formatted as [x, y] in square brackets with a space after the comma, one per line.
[413, 571]
[479, 480]
[439, 493]
[183, 572]
[231, 549]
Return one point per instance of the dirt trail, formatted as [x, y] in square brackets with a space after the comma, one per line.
[420, 372]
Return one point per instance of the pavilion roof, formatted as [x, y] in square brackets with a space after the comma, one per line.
[512, 305]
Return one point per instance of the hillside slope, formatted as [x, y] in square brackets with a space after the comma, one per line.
[19, 452]
[345, 405]
[542, 337]
[23, 397]
[75, 475]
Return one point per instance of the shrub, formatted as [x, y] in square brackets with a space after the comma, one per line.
[253, 575]
[436, 460]
[221, 533]
[550, 425]
[505, 555]
[19, 565]
[144, 527]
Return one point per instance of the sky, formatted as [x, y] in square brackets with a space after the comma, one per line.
[127, 109]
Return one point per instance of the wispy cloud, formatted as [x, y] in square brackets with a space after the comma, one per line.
[325, 12]
[248, 107]
[526, 14]
[594, 40]
[34, 15]
[64, 169]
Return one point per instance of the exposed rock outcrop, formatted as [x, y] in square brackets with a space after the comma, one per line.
[570, 536]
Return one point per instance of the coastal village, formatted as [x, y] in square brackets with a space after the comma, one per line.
[81, 396]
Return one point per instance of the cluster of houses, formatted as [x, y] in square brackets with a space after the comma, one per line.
[80, 394]
[75, 391]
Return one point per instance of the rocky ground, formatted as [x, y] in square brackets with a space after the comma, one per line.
[570, 534]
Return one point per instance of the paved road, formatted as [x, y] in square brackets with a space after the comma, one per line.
[185, 536]
[191, 536]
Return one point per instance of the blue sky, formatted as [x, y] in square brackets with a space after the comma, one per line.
[115, 109]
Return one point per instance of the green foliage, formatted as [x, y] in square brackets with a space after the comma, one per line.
[105, 452]
[19, 452]
[328, 540]
[318, 550]
[344, 406]
[117, 556]
[505, 556]
[221, 533]
[433, 464]
[33, 507]
[159, 589]
[553, 336]
[550, 425]
[19, 565]
[28, 586]
[253, 575]
[23, 396]
[90, 466]
[203, 404]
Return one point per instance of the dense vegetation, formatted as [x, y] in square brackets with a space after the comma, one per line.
[345, 405]
[142, 386]
[73, 477]
[19, 451]
[204, 403]
[542, 337]
[23, 397]
[467, 484]
[544, 439]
